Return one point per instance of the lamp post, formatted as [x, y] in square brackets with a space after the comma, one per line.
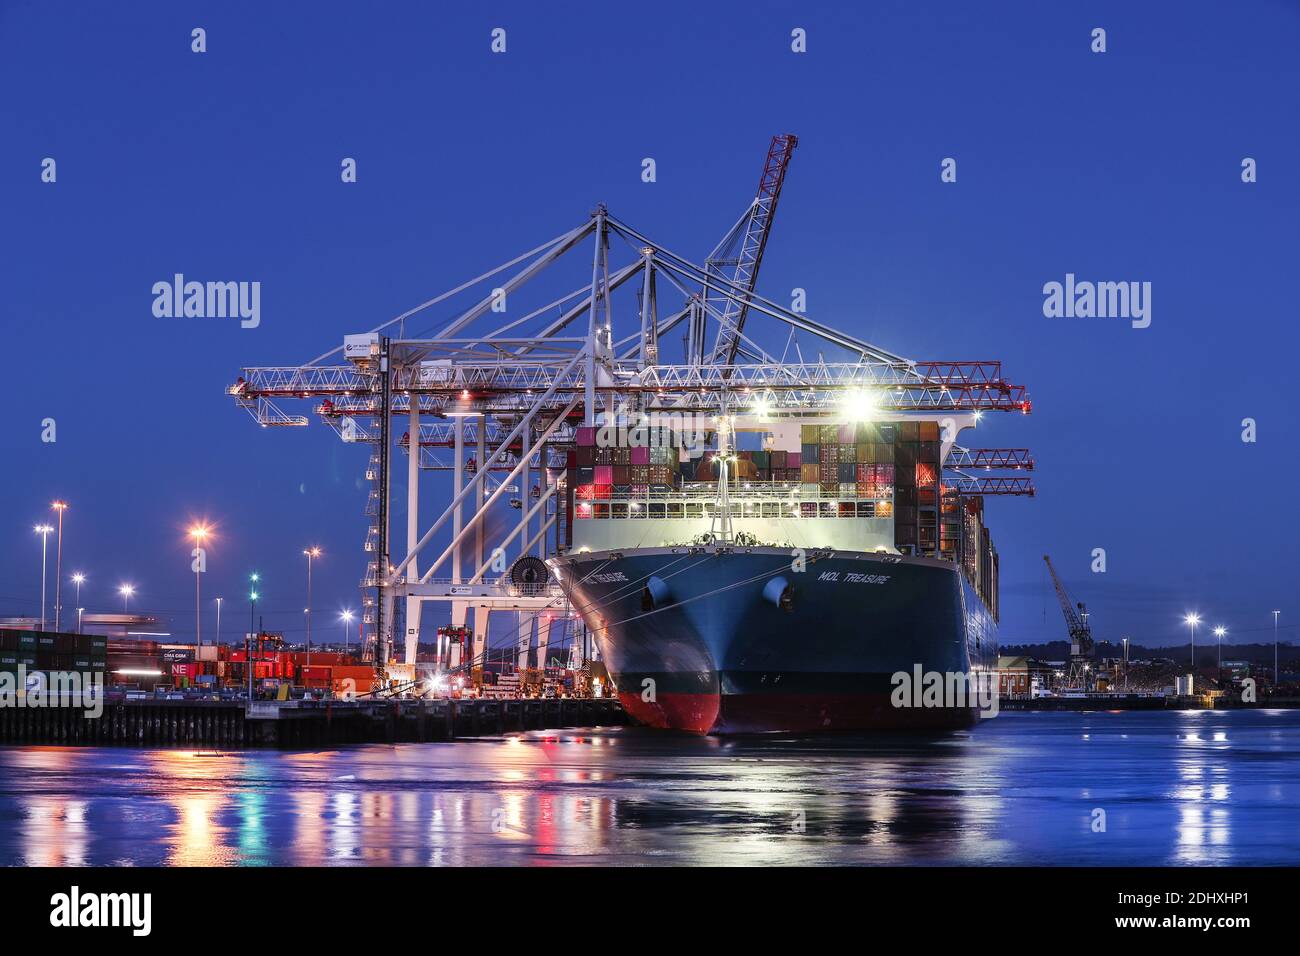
[78, 578]
[44, 531]
[312, 552]
[218, 637]
[1275, 678]
[60, 507]
[249, 642]
[200, 534]
[1125, 640]
[126, 590]
[1218, 633]
[252, 601]
[346, 616]
[1193, 619]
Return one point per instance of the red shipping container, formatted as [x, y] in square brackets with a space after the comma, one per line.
[586, 437]
[604, 491]
[604, 474]
[640, 454]
[793, 459]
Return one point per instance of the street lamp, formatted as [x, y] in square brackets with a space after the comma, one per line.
[1275, 614]
[78, 579]
[44, 531]
[1193, 619]
[218, 638]
[312, 552]
[60, 507]
[200, 534]
[346, 617]
[248, 641]
[1125, 640]
[252, 601]
[1218, 633]
[126, 590]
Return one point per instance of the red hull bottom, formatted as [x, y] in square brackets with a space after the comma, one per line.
[789, 713]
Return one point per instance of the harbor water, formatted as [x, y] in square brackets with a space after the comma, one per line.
[1109, 788]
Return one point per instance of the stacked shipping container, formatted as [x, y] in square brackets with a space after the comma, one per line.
[978, 555]
[48, 651]
[602, 471]
[916, 469]
[848, 461]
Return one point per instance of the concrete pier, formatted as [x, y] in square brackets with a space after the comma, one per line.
[294, 724]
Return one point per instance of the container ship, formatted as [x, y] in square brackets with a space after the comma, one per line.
[780, 589]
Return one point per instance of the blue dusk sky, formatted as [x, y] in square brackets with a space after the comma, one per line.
[1117, 166]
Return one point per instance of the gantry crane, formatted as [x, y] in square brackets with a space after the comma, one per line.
[1079, 675]
[737, 257]
[503, 380]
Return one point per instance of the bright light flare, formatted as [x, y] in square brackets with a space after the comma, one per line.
[861, 406]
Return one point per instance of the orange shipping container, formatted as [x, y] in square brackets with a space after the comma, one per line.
[356, 673]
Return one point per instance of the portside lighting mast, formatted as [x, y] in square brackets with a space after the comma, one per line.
[60, 507]
[44, 531]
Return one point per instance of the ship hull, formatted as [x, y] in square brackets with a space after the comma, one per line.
[723, 641]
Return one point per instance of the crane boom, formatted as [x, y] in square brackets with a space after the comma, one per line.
[751, 232]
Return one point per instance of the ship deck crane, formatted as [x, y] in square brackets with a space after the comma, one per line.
[1079, 676]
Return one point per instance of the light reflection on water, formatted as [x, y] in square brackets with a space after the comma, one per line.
[1181, 788]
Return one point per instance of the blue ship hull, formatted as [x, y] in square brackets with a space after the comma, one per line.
[744, 640]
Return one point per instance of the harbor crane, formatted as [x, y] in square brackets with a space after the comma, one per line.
[1079, 675]
[497, 378]
[737, 257]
